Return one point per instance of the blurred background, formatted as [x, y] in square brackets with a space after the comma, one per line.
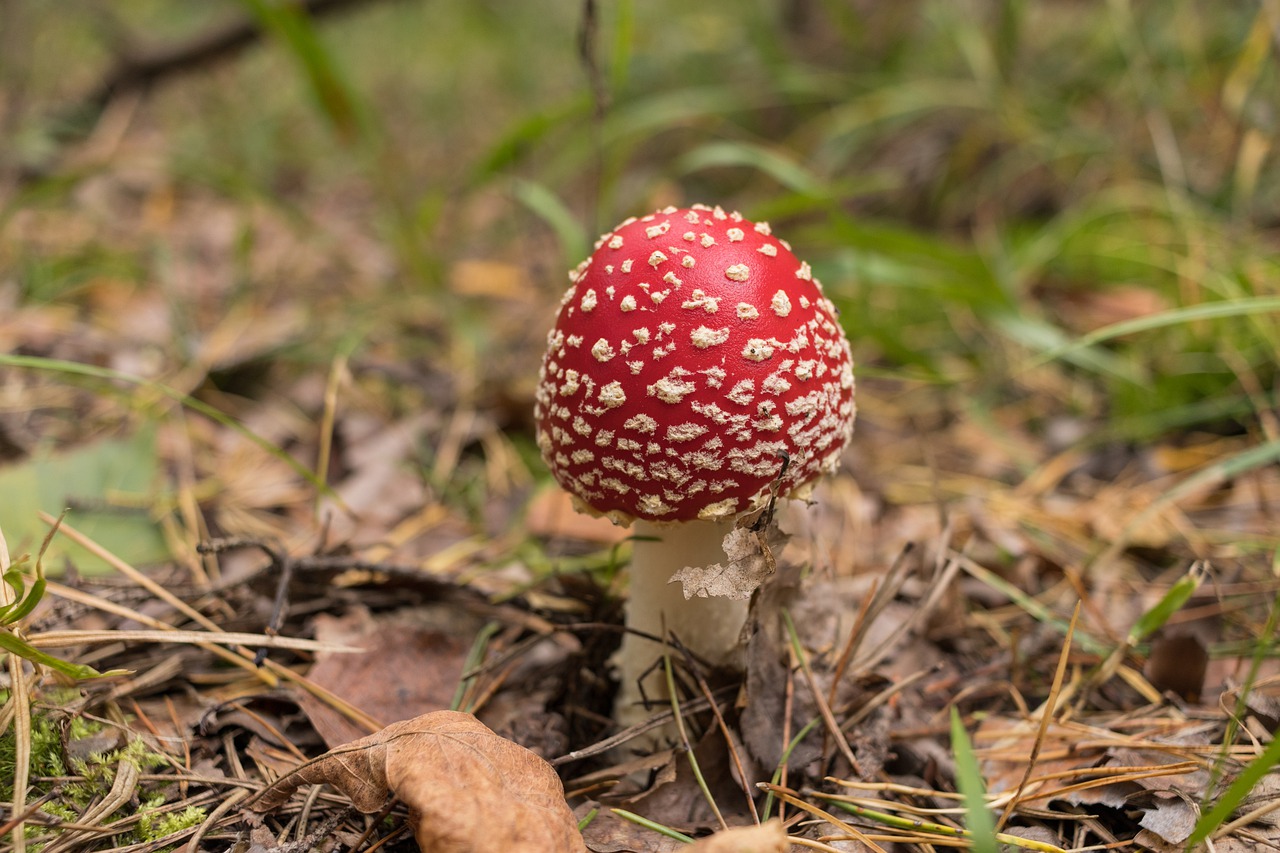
[336, 231]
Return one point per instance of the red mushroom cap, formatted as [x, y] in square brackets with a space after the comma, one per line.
[692, 354]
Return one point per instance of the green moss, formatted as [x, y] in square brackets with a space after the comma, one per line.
[46, 754]
[153, 826]
[95, 776]
[99, 769]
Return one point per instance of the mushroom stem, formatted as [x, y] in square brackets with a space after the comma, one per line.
[708, 627]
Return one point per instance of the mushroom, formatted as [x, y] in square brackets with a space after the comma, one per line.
[694, 370]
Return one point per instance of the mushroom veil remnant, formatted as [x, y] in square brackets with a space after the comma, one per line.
[693, 353]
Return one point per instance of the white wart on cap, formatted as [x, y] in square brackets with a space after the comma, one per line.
[692, 352]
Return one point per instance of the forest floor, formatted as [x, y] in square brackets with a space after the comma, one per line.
[305, 503]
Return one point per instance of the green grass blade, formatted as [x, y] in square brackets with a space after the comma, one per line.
[649, 824]
[981, 825]
[766, 160]
[1036, 334]
[550, 209]
[1170, 603]
[1220, 472]
[1235, 794]
[475, 657]
[11, 643]
[523, 136]
[22, 604]
[331, 89]
[1243, 307]
[623, 36]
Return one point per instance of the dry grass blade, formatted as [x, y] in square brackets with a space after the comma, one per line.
[689, 754]
[884, 593]
[813, 845]
[1113, 776]
[1208, 477]
[937, 588]
[17, 709]
[913, 829]
[730, 741]
[824, 708]
[64, 639]
[792, 797]
[1046, 715]
[872, 606]
[122, 791]
[270, 673]
[879, 699]
[132, 574]
[230, 656]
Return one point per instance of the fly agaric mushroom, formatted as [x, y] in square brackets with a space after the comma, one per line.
[694, 370]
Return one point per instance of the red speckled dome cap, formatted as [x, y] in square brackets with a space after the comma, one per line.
[691, 352]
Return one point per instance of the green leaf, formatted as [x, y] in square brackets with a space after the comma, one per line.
[112, 481]
[23, 601]
[11, 643]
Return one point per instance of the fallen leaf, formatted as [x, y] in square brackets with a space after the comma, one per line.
[677, 798]
[766, 838]
[468, 790]
[413, 660]
[751, 561]
[1172, 818]
[102, 480]
[766, 697]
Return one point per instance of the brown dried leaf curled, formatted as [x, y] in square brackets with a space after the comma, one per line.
[468, 790]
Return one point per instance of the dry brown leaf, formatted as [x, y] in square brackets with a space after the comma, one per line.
[751, 561]
[468, 790]
[609, 833]
[766, 838]
[676, 798]
[412, 660]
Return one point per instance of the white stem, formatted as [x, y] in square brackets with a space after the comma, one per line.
[709, 627]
